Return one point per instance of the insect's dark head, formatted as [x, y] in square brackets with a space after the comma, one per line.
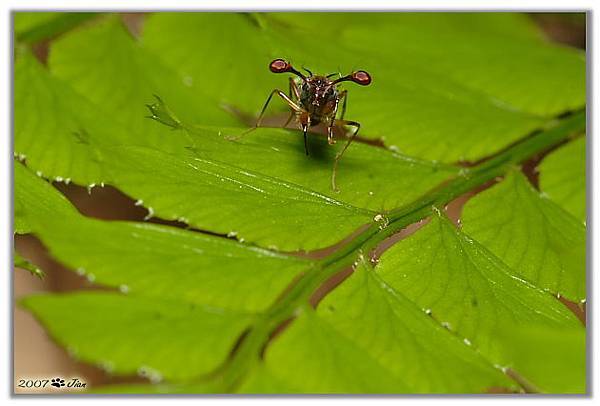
[317, 91]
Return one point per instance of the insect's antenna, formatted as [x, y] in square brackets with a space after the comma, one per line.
[309, 72]
[359, 77]
[295, 72]
[283, 66]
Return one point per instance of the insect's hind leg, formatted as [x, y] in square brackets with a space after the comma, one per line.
[292, 113]
[283, 96]
[338, 156]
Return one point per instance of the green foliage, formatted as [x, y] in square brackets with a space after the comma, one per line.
[154, 260]
[475, 75]
[366, 322]
[540, 241]
[553, 360]
[31, 27]
[197, 312]
[164, 339]
[135, 75]
[38, 198]
[563, 178]
[465, 287]
[22, 263]
[55, 139]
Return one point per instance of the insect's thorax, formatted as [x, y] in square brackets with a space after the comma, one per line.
[319, 98]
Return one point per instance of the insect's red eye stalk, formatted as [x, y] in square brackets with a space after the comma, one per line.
[283, 66]
[279, 66]
[361, 77]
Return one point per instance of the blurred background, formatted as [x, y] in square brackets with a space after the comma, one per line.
[35, 354]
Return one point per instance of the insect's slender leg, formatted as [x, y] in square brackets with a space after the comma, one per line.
[338, 156]
[292, 113]
[285, 98]
[305, 123]
[305, 129]
[330, 127]
[295, 96]
[294, 90]
[344, 95]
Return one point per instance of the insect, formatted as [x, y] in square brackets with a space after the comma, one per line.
[315, 99]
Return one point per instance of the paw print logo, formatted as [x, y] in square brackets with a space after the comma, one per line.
[57, 382]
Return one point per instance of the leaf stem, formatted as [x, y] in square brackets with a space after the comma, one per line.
[249, 352]
[527, 386]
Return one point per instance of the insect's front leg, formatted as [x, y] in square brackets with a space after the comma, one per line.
[338, 156]
[330, 128]
[343, 95]
[295, 96]
[332, 119]
[304, 119]
[294, 91]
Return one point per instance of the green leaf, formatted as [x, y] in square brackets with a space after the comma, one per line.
[231, 65]
[263, 190]
[35, 196]
[53, 126]
[56, 140]
[135, 335]
[531, 234]
[481, 52]
[267, 166]
[36, 26]
[370, 322]
[323, 361]
[152, 260]
[121, 77]
[24, 21]
[172, 264]
[562, 177]
[466, 288]
[447, 105]
[551, 360]
[189, 295]
[399, 335]
[22, 263]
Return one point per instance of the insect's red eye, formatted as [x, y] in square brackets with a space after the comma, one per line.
[361, 77]
[279, 66]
